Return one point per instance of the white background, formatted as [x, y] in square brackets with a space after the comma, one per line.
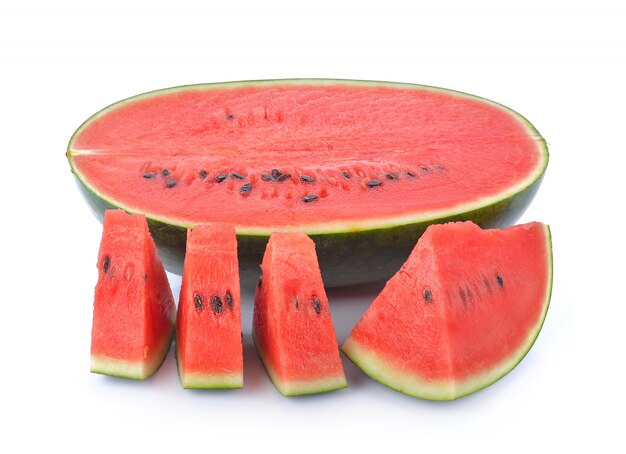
[563, 67]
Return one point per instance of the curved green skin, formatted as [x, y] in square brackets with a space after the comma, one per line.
[300, 388]
[384, 373]
[199, 380]
[137, 370]
[345, 257]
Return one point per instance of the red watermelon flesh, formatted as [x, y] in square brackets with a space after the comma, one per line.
[463, 310]
[292, 325]
[208, 326]
[349, 155]
[133, 316]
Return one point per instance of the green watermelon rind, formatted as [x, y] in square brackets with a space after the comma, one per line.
[348, 252]
[137, 370]
[198, 380]
[300, 388]
[383, 372]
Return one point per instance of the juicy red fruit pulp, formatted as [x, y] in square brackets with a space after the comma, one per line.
[302, 150]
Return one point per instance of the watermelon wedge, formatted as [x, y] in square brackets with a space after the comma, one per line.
[461, 312]
[292, 326]
[133, 313]
[362, 167]
[208, 326]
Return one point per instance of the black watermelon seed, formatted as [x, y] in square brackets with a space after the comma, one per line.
[283, 177]
[411, 174]
[374, 183]
[309, 198]
[425, 169]
[202, 174]
[297, 304]
[276, 173]
[307, 179]
[216, 304]
[230, 117]
[390, 176]
[316, 305]
[171, 183]
[105, 263]
[165, 172]
[346, 174]
[229, 299]
[197, 299]
[245, 188]
[221, 177]
[267, 177]
[237, 175]
[500, 280]
[148, 175]
[428, 296]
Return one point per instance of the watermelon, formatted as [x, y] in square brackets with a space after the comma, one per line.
[362, 167]
[292, 326]
[133, 311]
[461, 312]
[209, 349]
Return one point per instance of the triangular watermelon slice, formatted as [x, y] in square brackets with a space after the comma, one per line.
[463, 310]
[133, 314]
[292, 325]
[208, 326]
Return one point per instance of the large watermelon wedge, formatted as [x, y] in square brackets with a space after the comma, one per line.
[461, 312]
[361, 167]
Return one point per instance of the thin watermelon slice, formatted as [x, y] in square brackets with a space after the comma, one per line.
[208, 326]
[133, 313]
[462, 312]
[362, 167]
[292, 325]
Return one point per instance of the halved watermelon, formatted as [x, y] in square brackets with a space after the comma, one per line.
[461, 312]
[362, 167]
[133, 313]
[292, 326]
[208, 326]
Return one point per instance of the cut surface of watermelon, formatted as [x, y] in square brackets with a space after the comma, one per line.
[208, 326]
[462, 311]
[133, 316]
[344, 161]
[292, 325]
